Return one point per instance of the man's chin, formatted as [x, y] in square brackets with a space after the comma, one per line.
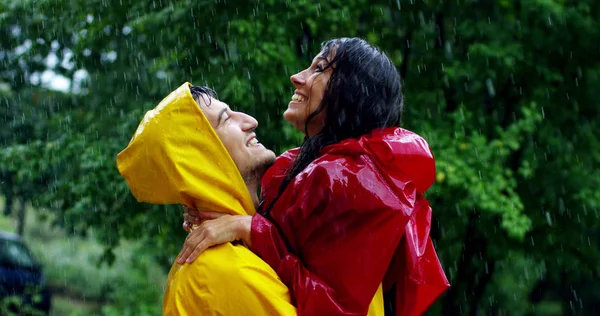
[266, 161]
[260, 164]
[265, 157]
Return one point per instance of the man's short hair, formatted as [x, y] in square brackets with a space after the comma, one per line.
[203, 92]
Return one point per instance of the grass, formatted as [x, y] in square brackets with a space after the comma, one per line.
[67, 306]
[80, 285]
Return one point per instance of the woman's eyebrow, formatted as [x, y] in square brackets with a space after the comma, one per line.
[324, 58]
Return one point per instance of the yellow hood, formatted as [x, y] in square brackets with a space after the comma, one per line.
[176, 157]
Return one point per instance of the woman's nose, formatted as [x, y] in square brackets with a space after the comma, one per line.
[297, 79]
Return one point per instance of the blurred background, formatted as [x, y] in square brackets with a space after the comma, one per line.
[503, 91]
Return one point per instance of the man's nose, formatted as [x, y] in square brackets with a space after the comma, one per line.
[248, 122]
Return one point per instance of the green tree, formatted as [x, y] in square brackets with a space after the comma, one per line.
[503, 91]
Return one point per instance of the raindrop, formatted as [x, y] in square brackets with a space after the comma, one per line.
[548, 219]
[490, 87]
[561, 206]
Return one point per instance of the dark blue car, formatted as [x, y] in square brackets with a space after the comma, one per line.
[22, 282]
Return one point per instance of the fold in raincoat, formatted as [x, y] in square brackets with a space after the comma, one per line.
[356, 215]
[175, 157]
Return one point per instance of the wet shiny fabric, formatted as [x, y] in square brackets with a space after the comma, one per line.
[175, 157]
[356, 216]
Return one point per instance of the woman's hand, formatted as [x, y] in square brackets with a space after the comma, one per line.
[216, 229]
[191, 217]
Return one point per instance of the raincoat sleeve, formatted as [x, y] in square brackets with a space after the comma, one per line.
[347, 227]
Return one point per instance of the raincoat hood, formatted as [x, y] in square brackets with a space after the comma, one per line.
[404, 159]
[176, 157]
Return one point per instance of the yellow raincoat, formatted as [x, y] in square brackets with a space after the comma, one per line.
[175, 157]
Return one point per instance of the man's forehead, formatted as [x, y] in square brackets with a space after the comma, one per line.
[212, 109]
[211, 104]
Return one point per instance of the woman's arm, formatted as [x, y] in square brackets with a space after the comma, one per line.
[218, 228]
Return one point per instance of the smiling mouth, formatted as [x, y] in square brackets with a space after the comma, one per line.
[298, 98]
[252, 142]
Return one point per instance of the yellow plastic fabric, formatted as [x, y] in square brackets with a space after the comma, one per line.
[175, 157]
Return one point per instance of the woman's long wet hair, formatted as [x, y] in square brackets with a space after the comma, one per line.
[364, 93]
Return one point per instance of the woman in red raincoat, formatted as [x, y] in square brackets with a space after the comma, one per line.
[345, 212]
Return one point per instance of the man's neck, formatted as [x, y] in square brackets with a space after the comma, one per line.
[253, 190]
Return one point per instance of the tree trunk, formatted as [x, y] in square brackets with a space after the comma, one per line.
[9, 203]
[480, 288]
[7, 189]
[464, 280]
[21, 219]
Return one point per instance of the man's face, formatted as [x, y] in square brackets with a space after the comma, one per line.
[236, 131]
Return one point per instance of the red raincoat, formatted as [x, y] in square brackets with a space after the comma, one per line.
[354, 218]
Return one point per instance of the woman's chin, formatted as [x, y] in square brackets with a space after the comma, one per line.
[292, 117]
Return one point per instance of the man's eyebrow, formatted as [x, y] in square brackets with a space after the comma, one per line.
[223, 111]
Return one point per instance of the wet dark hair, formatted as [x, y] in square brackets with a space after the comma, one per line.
[202, 92]
[364, 93]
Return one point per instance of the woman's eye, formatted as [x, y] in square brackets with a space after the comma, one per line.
[319, 68]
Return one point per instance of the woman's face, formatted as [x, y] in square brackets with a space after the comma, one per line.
[310, 87]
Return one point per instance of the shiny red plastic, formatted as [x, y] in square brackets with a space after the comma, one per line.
[353, 219]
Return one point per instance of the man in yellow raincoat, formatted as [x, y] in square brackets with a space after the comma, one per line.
[193, 150]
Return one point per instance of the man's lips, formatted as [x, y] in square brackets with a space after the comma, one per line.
[250, 140]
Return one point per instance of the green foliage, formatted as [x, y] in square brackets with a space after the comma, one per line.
[503, 91]
[13, 306]
[80, 284]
